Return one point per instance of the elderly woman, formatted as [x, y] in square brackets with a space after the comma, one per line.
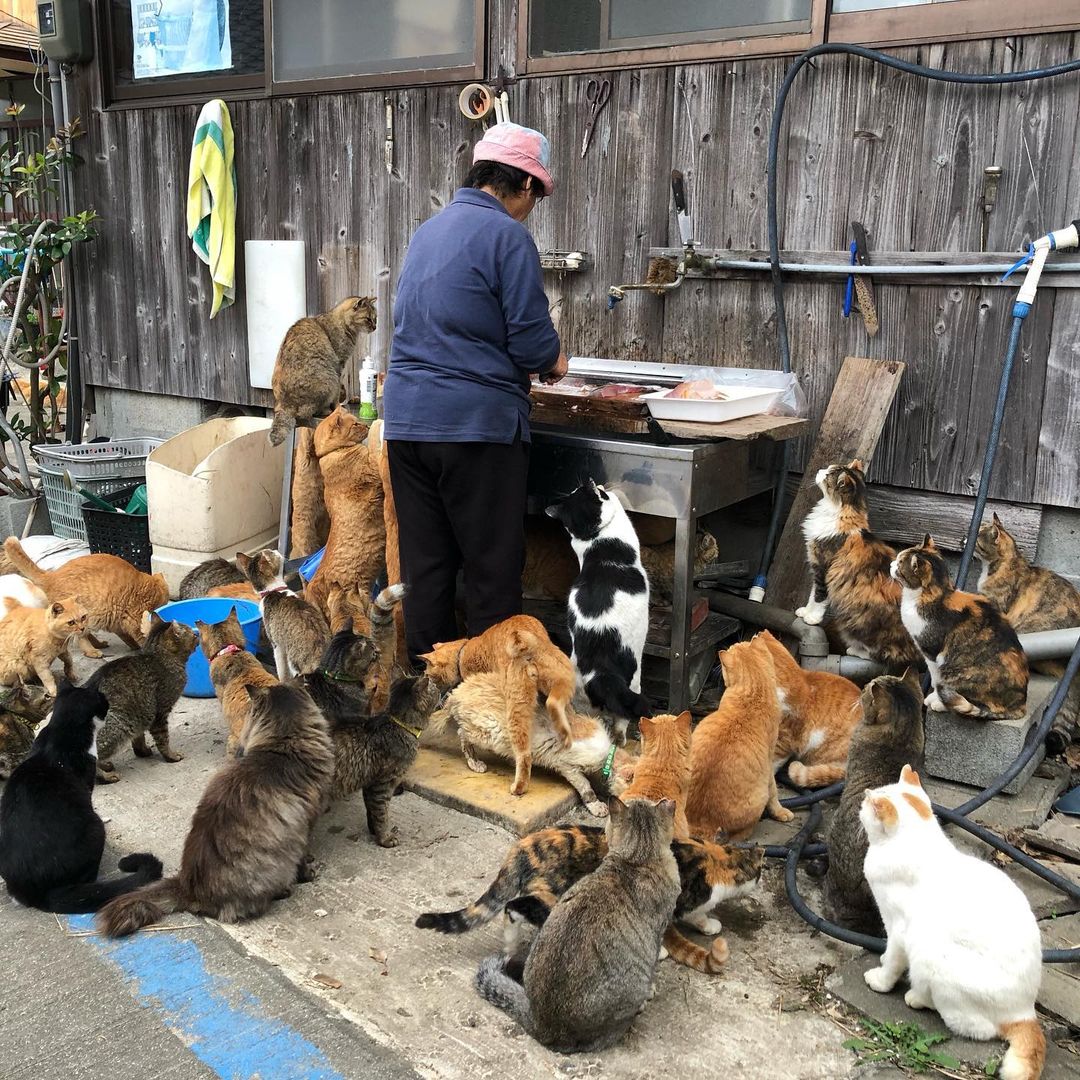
[471, 326]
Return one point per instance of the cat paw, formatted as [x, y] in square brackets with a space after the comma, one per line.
[109, 777]
[915, 1001]
[92, 653]
[518, 788]
[781, 813]
[934, 702]
[861, 651]
[663, 954]
[800, 613]
[706, 924]
[812, 617]
[141, 750]
[170, 755]
[476, 766]
[596, 808]
[879, 980]
[718, 954]
[387, 841]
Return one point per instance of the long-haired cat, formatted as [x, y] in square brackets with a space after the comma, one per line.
[248, 840]
[353, 490]
[964, 933]
[889, 736]
[480, 709]
[51, 839]
[850, 567]
[142, 689]
[662, 770]
[307, 372]
[731, 754]
[113, 592]
[976, 663]
[297, 630]
[590, 970]
[818, 711]
[32, 638]
[22, 708]
[608, 610]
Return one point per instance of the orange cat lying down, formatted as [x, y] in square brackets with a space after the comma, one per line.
[731, 753]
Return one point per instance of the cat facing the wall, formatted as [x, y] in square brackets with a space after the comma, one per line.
[964, 933]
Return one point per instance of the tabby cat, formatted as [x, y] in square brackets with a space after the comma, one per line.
[310, 362]
[889, 737]
[32, 638]
[976, 663]
[851, 571]
[663, 768]
[22, 708]
[208, 575]
[350, 609]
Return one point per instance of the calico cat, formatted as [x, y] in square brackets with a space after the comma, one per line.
[310, 362]
[233, 670]
[889, 736]
[113, 592]
[142, 689]
[851, 571]
[51, 839]
[296, 629]
[480, 709]
[976, 663]
[590, 970]
[540, 867]
[247, 845]
[964, 933]
[22, 708]
[211, 574]
[662, 770]
[818, 711]
[310, 525]
[32, 638]
[731, 754]
[353, 490]
[373, 753]
[608, 610]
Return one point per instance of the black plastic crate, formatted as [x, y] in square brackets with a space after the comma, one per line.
[126, 535]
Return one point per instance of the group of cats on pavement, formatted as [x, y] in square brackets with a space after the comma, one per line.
[603, 903]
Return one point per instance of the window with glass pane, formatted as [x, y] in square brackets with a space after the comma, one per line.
[567, 26]
[336, 38]
[160, 42]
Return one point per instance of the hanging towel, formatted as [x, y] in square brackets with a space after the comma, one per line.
[211, 200]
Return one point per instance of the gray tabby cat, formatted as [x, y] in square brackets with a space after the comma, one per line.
[590, 969]
[889, 736]
[211, 574]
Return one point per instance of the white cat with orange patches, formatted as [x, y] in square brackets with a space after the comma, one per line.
[961, 929]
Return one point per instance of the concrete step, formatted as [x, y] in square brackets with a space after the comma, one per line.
[976, 752]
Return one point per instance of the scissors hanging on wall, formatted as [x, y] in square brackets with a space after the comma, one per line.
[597, 92]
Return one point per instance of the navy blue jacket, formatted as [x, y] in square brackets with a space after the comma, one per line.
[471, 324]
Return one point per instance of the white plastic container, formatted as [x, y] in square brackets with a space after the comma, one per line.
[741, 401]
[174, 563]
[215, 487]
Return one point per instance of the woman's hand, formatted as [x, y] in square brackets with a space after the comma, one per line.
[562, 365]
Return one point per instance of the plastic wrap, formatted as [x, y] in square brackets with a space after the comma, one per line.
[791, 402]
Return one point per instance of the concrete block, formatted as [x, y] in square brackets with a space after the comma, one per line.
[976, 752]
[1027, 809]
[131, 414]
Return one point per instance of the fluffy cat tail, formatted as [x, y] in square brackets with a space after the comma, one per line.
[493, 982]
[126, 914]
[382, 607]
[92, 896]
[685, 952]
[1027, 1050]
[22, 562]
[283, 423]
[612, 694]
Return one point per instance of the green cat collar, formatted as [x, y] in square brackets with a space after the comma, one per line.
[605, 772]
[415, 732]
[340, 676]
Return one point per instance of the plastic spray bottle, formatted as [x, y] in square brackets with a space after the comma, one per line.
[369, 381]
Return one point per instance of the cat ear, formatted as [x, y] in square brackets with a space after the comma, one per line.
[682, 723]
[909, 776]
[912, 678]
[928, 543]
[257, 694]
[997, 521]
[884, 810]
[645, 729]
[857, 465]
[243, 561]
[616, 809]
[666, 808]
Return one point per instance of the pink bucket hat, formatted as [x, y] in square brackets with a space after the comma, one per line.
[521, 147]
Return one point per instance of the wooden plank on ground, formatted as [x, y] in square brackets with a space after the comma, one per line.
[1060, 989]
[745, 429]
[861, 399]
[1061, 835]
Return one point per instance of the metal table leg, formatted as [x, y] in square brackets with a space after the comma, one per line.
[681, 602]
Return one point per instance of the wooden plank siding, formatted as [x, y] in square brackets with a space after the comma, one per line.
[902, 155]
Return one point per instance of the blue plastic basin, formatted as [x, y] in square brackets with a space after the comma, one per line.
[211, 609]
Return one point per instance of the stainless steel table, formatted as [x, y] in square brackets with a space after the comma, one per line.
[683, 481]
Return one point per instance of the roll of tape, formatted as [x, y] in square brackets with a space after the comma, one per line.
[476, 101]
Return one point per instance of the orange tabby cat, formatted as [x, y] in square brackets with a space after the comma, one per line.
[114, 594]
[662, 771]
[310, 524]
[731, 754]
[240, 591]
[818, 712]
[32, 638]
[352, 487]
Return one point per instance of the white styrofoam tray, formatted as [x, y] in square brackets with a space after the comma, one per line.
[741, 401]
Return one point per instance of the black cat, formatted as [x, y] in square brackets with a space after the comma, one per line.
[51, 840]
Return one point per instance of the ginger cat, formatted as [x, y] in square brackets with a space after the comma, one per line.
[114, 594]
[352, 488]
[310, 521]
[818, 712]
[731, 754]
[663, 769]
[377, 445]
[32, 638]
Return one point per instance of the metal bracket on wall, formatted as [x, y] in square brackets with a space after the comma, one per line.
[564, 261]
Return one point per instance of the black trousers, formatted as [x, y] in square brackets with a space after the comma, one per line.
[459, 505]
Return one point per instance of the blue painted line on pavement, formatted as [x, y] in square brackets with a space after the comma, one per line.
[225, 1027]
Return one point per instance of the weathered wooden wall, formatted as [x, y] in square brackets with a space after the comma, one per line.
[902, 155]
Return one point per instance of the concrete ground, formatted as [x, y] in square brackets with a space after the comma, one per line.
[337, 982]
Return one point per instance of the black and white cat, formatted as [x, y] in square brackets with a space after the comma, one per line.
[608, 609]
[51, 840]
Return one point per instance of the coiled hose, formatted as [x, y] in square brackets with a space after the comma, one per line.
[800, 847]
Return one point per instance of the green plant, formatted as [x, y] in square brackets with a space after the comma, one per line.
[905, 1044]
